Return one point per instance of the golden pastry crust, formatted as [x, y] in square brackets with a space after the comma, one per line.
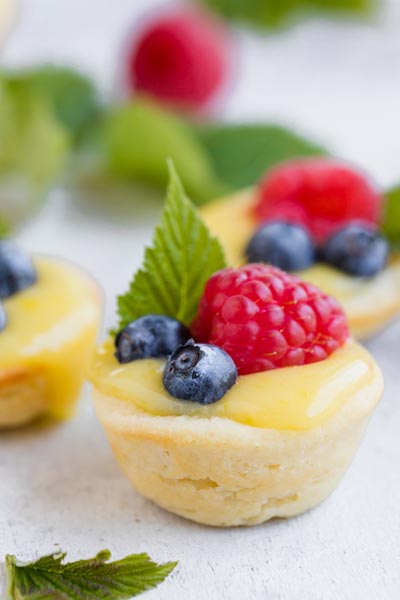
[23, 396]
[370, 304]
[222, 473]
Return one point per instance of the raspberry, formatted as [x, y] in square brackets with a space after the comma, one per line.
[321, 194]
[182, 59]
[266, 319]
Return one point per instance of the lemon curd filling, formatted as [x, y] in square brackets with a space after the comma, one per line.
[368, 302]
[289, 398]
[51, 328]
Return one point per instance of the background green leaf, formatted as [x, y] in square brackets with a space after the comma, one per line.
[277, 13]
[391, 221]
[44, 108]
[241, 154]
[32, 140]
[72, 96]
[139, 137]
[33, 147]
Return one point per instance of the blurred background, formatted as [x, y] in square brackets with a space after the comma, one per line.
[328, 72]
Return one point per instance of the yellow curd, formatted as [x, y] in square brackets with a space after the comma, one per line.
[295, 398]
[368, 303]
[51, 328]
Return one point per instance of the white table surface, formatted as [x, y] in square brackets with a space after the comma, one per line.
[61, 487]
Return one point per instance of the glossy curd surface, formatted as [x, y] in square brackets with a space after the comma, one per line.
[368, 302]
[289, 398]
[51, 328]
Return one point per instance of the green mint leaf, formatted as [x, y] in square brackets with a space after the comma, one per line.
[72, 96]
[271, 14]
[176, 267]
[241, 154]
[140, 136]
[49, 578]
[391, 221]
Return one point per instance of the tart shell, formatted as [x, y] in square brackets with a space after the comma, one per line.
[223, 473]
[23, 396]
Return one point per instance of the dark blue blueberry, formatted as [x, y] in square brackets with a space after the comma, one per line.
[3, 319]
[357, 250]
[284, 245]
[152, 336]
[16, 270]
[199, 372]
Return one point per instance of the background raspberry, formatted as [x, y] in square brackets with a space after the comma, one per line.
[321, 194]
[182, 58]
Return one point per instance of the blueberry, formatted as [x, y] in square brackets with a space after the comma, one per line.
[284, 245]
[152, 336]
[357, 250]
[199, 372]
[3, 319]
[16, 269]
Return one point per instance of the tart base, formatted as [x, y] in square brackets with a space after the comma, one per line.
[222, 473]
[23, 396]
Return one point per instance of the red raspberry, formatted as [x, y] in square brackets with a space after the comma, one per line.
[321, 194]
[182, 59]
[266, 319]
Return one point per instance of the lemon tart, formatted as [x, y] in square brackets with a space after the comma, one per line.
[49, 330]
[236, 398]
[275, 445]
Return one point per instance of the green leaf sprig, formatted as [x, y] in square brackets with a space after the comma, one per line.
[176, 267]
[50, 578]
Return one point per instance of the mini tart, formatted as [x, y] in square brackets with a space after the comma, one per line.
[275, 445]
[46, 343]
[370, 304]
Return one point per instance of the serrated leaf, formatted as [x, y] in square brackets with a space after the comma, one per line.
[140, 136]
[49, 578]
[271, 14]
[391, 220]
[241, 154]
[176, 267]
